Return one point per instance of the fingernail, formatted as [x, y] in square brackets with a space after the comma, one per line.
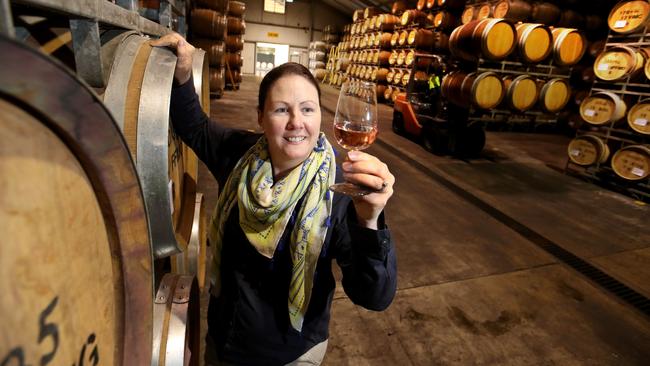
[346, 166]
[353, 154]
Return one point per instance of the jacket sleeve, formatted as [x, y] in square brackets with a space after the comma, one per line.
[368, 261]
[217, 146]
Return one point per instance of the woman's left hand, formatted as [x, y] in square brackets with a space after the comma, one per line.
[366, 170]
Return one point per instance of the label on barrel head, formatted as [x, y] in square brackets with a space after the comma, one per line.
[620, 23]
[603, 67]
[575, 152]
[638, 172]
[590, 112]
[641, 121]
[170, 191]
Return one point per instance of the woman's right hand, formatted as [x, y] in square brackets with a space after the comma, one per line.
[184, 52]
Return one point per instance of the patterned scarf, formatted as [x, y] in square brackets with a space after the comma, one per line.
[265, 209]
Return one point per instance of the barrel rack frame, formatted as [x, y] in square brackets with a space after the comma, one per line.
[85, 18]
[601, 173]
[533, 117]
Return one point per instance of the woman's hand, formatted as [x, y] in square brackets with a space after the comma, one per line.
[366, 170]
[184, 52]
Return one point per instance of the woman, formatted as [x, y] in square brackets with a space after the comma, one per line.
[277, 227]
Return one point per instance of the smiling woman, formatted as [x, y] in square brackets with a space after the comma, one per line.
[277, 227]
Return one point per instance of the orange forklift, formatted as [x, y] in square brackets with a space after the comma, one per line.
[424, 115]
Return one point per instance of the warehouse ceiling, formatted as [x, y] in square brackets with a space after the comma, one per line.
[349, 6]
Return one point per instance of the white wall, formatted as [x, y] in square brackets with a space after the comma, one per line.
[295, 26]
[248, 55]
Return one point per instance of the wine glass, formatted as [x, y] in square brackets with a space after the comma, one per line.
[355, 125]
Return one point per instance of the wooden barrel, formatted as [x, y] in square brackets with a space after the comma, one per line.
[632, 162]
[594, 23]
[521, 93]
[398, 7]
[357, 15]
[413, 17]
[389, 76]
[397, 76]
[388, 92]
[483, 12]
[209, 23]
[193, 260]
[236, 8]
[176, 324]
[234, 60]
[587, 150]
[620, 63]
[629, 16]
[410, 57]
[379, 74]
[234, 43]
[236, 25]
[554, 95]
[401, 57]
[445, 21]
[77, 272]
[421, 5]
[331, 38]
[450, 4]
[514, 10]
[382, 40]
[395, 93]
[406, 77]
[394, 38]
[494, 39]
[217, 79]
[595, 48]
[219, 5]
[484, 90]
[569, 46]
[639, 116]
[369, 12]
[236, 78]
[138, 93]
[534, 42]
[383, 58]
[403, 37]
[545, 13]
[603, 108]
[319, 74]
[318, 46]
[214, 49]
[331, 29]
[369, 71]
[469, 14]
[386, 22]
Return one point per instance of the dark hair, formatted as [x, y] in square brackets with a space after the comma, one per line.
[290, 68]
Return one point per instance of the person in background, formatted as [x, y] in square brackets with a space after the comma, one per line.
[276, 226]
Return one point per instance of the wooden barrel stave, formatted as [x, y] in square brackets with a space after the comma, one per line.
[82, 188]
[603, 108]
[209, 23]
[587, 150]
[236, 8]
[632, 162]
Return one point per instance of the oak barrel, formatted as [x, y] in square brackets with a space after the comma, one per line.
[398, 7]
[421, 5]
[568, 46]
[236, 8]
[214, 49]
[554, 95]
[468, 14]
[445, 21]
[484, 90]
[483, 12]
[413, 17]
[587, 150]
[217, 79]
[234, 60]
[632, 162]
[138, 95]
[639, 117]
[621, 62]
[534, 42]
[176, 324]
[388, 92]
[386, 22]
[545, 13]
[514, 10]
[193, 260]
[236, 25]
[77, 272]
[492, 38]
[234, 43]
[602, 108]
[521, 93]
[219, 5]
[629, 16]
[209, 23]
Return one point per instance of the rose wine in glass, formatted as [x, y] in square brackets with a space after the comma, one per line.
[355, 125]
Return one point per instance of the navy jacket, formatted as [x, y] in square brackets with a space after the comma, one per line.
[249, 322]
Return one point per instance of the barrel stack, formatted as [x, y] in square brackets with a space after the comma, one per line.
[235, 43]
[318, 59]
[612, 145]
[208, 29]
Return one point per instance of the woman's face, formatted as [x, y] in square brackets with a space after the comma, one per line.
[291, 121]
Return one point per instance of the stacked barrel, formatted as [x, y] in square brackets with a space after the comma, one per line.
[614, 141]
[209, 31]
[235, 43]
[317, 59]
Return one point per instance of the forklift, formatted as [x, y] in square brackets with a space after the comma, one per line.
[425, 116]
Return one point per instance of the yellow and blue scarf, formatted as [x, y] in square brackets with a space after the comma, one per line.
[265, 208]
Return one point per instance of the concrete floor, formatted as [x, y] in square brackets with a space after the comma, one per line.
[477, 283]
